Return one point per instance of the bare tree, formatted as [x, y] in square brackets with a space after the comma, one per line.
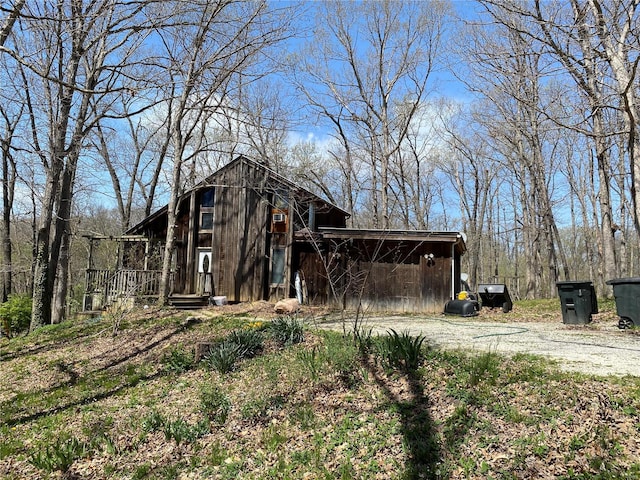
[72, 56]
[593, 43]
[134, 157]
[510, 73]
[611, 29]
[474, 177]
[11, 120]
[367, 72]
[266, 121]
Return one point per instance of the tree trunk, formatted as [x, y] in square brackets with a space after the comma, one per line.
[8, 190]
[60, 308]
[59, 264]
[42, 287]
[7, 26]
[172, 211]
[624, 72]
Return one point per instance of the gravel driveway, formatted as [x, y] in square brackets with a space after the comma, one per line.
[597, 348]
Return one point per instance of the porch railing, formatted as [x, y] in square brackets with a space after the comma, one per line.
[124, 283]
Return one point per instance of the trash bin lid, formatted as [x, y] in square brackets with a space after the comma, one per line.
[575, 282]
[617, 281]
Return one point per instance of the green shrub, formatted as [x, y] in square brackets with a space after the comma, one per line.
[15, 315]
[215, 405]
[401, 350]
[287, 331]
[59, 456]
[223, 356]
[250, 342]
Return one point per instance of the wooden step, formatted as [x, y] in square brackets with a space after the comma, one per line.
[189, 302]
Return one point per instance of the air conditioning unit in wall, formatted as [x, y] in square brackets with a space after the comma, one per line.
[279, 217]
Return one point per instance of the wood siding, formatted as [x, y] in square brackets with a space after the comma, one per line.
[380, 275]
[240, 237]
[312, 268]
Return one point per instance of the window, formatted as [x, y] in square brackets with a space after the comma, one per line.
[207, 198]
[204, 261]
[281, 199]
[206, 210]
[277, 266]
[206, 221]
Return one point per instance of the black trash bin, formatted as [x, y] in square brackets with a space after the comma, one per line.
[627, 294]
[495, 295]
[578, 301]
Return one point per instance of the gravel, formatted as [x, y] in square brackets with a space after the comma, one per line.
[599, 348]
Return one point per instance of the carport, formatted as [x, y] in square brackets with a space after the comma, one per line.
[380, 270]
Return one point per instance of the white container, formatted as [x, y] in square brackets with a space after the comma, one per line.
[220, 300]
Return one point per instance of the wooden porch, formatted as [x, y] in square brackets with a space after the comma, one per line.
[104, 287]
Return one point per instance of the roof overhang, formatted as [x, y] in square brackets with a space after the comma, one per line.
[414, 236]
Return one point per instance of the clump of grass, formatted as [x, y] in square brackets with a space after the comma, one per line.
[343, 357]
[152, 422]
[484, 367]
[312, 361]
[250, 342]
[60, 455]
[305, 415]
[223, 356]
[182, 431]
[401, 350]
[217, 454]
[215, 405]
[178, 430]
[239, 344]
[287, 331]
[177, 361]
[260, 409]
[364, 340]
[141, 471]
[272, 438]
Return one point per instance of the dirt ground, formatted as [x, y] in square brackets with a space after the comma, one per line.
[598, 348]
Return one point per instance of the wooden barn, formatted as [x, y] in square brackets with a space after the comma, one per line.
[246, 233]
